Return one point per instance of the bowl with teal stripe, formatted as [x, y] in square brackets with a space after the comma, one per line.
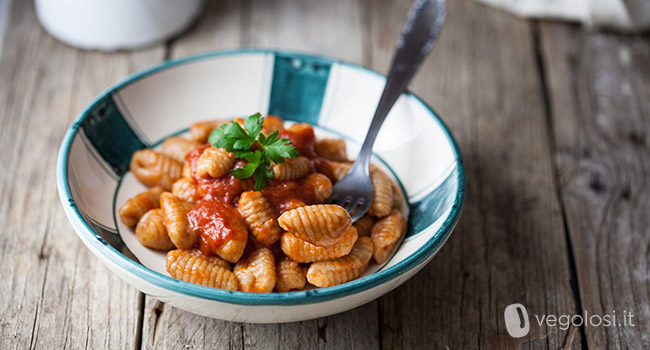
[338, 98]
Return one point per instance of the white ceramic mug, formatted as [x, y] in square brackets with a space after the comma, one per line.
[115, 24]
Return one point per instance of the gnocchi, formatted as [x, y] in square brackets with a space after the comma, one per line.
[364, 224]
[151, 231]
[177, 148]
[155, 169]
[186, 172]
[322, 187]
[223, 230]
[200, 131]
[185, 189]
[256, 272]
[332, 149]
[289, 275]
[134, 208]
[385, 233]
[339, 170]
[211, 258]
[271, 124]
[174, 213]
[320, 224]
[215, 162]
[382, 203]
[259, 216]
[292, 169]
[190, 267]
[332, 272]
[305, 252]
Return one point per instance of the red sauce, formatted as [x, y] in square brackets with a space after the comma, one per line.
[324, 166]
[193, 158]
[216, 222]
[302, 138]
[225, 188]
[215, 217]
[283, 194]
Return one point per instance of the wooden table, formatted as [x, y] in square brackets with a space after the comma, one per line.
[553, 122]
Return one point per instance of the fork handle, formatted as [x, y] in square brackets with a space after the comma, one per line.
[418, 36]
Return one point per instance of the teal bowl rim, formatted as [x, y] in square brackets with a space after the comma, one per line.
[236, 297]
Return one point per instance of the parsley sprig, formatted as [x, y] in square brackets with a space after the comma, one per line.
[251, 144]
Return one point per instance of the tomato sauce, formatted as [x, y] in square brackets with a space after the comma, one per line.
[283, 194]
[193, 158]
[216, 218]
[324, 166]
[302, 138]
[226, 188]
[217, 222]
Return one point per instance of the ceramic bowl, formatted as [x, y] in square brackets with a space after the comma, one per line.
[109, 25]
[338, 98]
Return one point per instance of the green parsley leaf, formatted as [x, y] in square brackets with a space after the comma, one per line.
[261, 178]
[246, 171]
[261, 139]
[280, 149]
[254, 157]
[241, 154]
[243, 144]
[253, 124]
[271, 138]
[218, 138]
[268, 149]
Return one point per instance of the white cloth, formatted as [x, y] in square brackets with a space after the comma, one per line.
[622, 15]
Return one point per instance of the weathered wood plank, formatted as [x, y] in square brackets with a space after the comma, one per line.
[599, 87]
[272, 24]
[333, 28]
[355, 329]
[219, 28]
[4, 18]
[509, 246]
[55, 294]
[166, 327]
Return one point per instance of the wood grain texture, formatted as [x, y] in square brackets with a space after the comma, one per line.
[54, 294]
[509, 246]
[5, 5]
[165, 327]
[332, 28]
[599, 88]
[220, 27]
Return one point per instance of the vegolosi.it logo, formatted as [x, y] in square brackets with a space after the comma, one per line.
[518, 322]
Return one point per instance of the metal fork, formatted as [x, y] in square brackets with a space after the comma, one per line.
[355, 191]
